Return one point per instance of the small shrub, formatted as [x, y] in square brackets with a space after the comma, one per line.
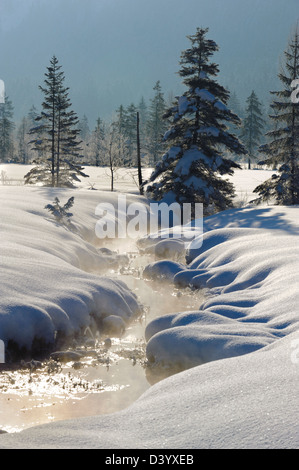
[61, 213]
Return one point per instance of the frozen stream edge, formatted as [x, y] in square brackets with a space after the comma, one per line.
[32, 397]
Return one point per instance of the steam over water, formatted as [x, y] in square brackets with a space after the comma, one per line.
[105, 378]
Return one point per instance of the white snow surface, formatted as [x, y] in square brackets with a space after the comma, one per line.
[183, 166]
[241, 347]
[250, 270]
[246, 402]
[51, 277]
[205, 94]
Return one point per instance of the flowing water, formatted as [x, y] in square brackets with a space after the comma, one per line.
[104, 379]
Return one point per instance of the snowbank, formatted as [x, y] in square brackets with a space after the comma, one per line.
[246, 402]
[51, 278]
[244, 393]
[240, 348]
[250, 269]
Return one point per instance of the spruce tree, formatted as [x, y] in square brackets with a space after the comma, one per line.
[56, 136]
[25, 153]
[23, 141]
[235, 106]
[156, 125]
[282, 150]
[85, 136]
[120, 138]
[143, 115]
[83, 128]
[33, 118]
[114, 150]
[192, 169]
[6, 131]
[253, 125]
[32, 115]
[97, 142]
[120, 120]
[130, 133]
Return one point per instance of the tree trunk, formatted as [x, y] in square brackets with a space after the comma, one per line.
[139, 158]
[53, 143]
[111, 167]
[58, 151]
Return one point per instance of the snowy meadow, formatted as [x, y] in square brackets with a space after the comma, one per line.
[223, 345]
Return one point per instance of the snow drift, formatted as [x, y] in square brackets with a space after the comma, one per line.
[50, 278]
[244, 393]
[250, 271]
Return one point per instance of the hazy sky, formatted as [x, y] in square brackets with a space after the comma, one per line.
[114, 51]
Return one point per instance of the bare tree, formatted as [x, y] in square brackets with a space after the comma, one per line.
[114, 151]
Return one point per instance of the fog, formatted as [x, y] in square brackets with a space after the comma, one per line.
[114, 51]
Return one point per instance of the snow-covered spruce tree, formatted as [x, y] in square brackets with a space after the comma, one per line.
[253, 125]
[56, 136]
[192, 170]
[283, 148]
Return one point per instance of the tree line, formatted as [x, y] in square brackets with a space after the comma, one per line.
[16, 139]
[202, 142]
[191, 142]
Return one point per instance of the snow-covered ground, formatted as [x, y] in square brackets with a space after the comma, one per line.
[50, 272]
[240, 348]
[125, 179]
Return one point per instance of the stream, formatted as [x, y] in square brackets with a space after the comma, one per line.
[104, 378]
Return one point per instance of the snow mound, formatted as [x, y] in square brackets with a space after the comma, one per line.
[250, 269]
[163, 269]
[171, 243]
[52, 280]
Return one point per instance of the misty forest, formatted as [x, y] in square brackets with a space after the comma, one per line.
[149, 185]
